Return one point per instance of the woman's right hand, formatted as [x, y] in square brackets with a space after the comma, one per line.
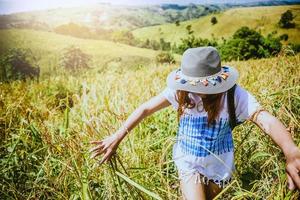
[107, 146]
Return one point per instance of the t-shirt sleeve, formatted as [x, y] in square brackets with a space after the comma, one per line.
[245, 104]
[170, 95]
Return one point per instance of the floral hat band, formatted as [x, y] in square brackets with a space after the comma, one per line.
[212, 79]
[201, 72]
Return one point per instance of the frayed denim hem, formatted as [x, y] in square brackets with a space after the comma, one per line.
[200, 178]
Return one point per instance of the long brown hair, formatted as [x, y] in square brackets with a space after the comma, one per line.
[211, 104]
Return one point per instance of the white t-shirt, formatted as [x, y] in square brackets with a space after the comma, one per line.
[245, 103]
[208, 149]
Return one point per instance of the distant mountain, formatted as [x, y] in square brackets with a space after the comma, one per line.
[233, 2]
[107, 16]
[116, 17]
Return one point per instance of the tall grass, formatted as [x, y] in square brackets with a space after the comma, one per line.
[45, 128]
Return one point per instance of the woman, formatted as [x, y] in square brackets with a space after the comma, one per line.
[204, 151]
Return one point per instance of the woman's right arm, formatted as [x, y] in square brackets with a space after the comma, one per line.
[109, 145]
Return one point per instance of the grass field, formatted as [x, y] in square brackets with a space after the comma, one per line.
[262, 19]
[45, 126]
[48, 47]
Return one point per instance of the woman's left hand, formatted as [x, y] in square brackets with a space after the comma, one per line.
[293, 168]
[282, 137]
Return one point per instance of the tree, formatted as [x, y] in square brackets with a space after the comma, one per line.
[191, 41]
[177, 23]
[247, 43]
[284, 37]
[165, 46]
[189, 29]
[165, 57]
[154, 45]
[18, 64]
[124, 36]
[213, 20]
[74, 59]
[286, 20]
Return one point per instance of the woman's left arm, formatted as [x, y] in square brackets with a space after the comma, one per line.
[278, 132]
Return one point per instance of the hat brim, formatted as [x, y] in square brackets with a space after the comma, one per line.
[199, 87]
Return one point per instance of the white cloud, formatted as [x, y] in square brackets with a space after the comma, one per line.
[9, 6]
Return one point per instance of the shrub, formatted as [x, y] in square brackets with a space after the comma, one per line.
[124, 36]
[153, 44]
[74, 59]
[247, 43]
[213, 20]
[286, 20]
[165, 57]
[295, 47]
[18, 64]
[191, 42]
[272, 45]
[165, 46]
[284, 37]
[189, 29]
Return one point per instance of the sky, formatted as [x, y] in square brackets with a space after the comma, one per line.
[12, 6]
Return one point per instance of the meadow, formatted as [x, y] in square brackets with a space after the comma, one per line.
[262, 19]
[46, 125]
[48, 47]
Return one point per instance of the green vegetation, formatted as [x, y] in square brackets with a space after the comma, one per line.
[189, 29]
[74, 59]
[73, 29]
[81, 31]
[46, 125]
[45, 129]
[213, 20]
[191, 41]
[124, 36]
[262, 19]
[165, 57]
[49, 47]
[247, 43]
[18, 64]
[286, 20]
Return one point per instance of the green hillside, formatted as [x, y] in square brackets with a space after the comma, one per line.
[105, 16]
[260, 18]
[49, 46]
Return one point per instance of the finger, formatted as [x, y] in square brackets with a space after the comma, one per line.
[110, 155]
[298, 165]
[295, 176]
[97, 153]
[290, 181]
[105, 157]
[98, 147]
[96, 142]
